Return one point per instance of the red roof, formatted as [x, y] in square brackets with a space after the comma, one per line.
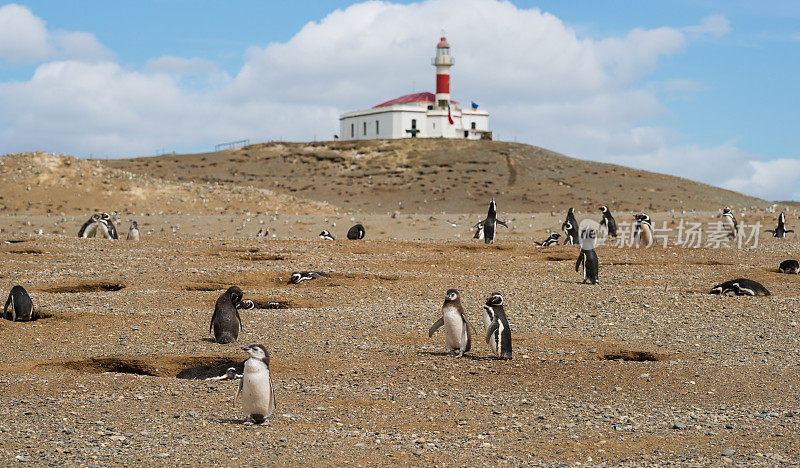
[443, 43]
[409, 98]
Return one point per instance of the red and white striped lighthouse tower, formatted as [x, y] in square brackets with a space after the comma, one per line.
[443, 61]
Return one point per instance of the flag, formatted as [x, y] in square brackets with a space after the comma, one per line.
[474, 106]
[449, 118]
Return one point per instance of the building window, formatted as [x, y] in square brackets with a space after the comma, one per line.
[413, 124]
[442, 103]
[352, 130]
[365, 128]
[466, 133]
[377, 127]
[473, 125]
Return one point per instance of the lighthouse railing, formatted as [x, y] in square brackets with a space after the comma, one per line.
[451, 61]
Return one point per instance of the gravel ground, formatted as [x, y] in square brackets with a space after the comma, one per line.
[644, 369]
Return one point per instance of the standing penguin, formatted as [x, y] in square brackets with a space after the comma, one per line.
[608, 223]
[489, 225]
[570, 228]
[21, 306]
[256, 388]
[226, 321]
[89, 227]
[458, 331]
[591, 266]
[109, 225]
[356, 232]
[498, 332]
[133, 232]
[780, 231]
[478, 231]
[642, 230]
[730, 223]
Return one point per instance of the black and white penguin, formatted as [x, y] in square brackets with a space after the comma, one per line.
[226, 371]
[608, 224]
[226, 321]
[498, 331]
[642, 230]
[247, 304]
[570, 228]
[325, 235]
[553, 239]
[133, 232]
[356, 232]
[780, 231]
[300, 276]
[109, 226]
[588, 257]
[457, 329]
[730, 223]
[89, 228]
[740, 287]
[256, 388]
[21, 306]
[478, 231]
[488, 227]
[789, 266]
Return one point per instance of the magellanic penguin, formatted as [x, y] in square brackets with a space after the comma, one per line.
[780, 231]
[642, 230]
[226, 321]
[553, 239]
[458, 330]
[226, 371]
[488, 226]
[247, 304]
[300, 276]
[356, 232]
[570, 228]
[89, 228]
[133, 232]
[730, 223]
[478, 231]
[498, 331]
[789, 266]
[256, 388]
[740, 287]
[21, 306]
[591, 266]
[109, 226]
[608, 224]
[325, 235]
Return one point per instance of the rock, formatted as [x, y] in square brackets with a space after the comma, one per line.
[728, 452]
[678, 425]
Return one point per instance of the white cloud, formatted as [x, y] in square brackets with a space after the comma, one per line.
[23, 36]
[80, 46]
[541, 82]
[773, 180]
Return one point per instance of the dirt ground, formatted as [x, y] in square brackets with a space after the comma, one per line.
[643, 369]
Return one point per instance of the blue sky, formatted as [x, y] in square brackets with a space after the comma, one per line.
[699, 89]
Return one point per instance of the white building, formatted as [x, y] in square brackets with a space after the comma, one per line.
[423, 115]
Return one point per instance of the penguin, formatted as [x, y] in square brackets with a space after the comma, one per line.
[226, 321]
[642, 230]
[256, 388]
[247, 304]
[608, 223]
[356, 232]
[89, 227]
[740, 287]
[226, 371]
[789, 266]
[553, 239]
[570, 228]
[478, 231]
[133, 232]
[109, 225]
[591, 266]
[300, 276]
[458, 330]
[498, 331]
[258, 234]
[489, 225]
[730, 223]
[21, 306]
[325, 235]
[780, 231]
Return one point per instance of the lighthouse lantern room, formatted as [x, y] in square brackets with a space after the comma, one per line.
[420, 115]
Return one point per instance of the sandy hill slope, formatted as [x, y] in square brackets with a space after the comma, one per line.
[429, 176]
[43, 182]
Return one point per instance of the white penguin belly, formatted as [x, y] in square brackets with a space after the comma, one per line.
[487, 322]
[455, 329]
[257, 392]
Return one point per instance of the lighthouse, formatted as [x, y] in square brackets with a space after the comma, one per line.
[443, 61]
[420, 115]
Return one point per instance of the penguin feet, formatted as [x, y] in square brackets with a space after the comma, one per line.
[265, 422]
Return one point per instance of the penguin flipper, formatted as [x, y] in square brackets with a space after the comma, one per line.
[479, 223]
[271, 393]
[5, 307]
[239, 390]
[502, 223]
[580, 260]
[241, 327]
[492, 328]
[437, 325]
